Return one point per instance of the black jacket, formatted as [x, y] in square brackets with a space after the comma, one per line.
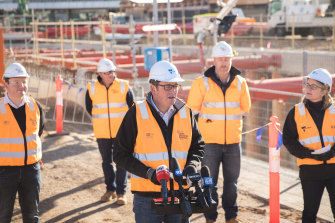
[291, 142]
[88, 100]
[126, 139]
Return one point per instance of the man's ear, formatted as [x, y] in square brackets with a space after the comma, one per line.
[152, 88]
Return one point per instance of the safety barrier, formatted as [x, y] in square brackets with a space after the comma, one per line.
[68, 104]
[274, 164]
[59, 105]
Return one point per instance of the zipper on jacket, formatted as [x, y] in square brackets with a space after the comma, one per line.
[225, 119]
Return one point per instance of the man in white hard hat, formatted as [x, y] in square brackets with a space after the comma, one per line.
[152, 132]
[309, 135]
[108, 100]
[21, 125]
[221, 98]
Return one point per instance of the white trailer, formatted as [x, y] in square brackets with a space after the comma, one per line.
[308, 17]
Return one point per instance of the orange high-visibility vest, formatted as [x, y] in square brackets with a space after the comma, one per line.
[150, 147]
[308, 132]
[12, 145]
[220, 117]
[108, 107]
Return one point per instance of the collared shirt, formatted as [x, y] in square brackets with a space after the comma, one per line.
[165, 116]
[8, 101]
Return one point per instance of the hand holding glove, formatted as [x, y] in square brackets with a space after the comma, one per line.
[187, 170]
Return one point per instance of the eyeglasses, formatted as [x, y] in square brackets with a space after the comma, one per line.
[312, 86]
[107, 73]
[18, 83]
[169, 87]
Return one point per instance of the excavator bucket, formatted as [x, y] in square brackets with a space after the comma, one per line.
[226, 23]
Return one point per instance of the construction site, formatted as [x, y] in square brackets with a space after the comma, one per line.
[274, 57]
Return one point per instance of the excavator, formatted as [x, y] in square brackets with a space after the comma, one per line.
[219, 25]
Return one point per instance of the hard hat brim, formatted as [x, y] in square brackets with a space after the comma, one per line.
[11, 76]
[176, 79]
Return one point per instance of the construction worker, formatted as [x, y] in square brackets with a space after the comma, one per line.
[152, 132]
[221, 98]
[107, 101]
[21, 125]
[309, 135]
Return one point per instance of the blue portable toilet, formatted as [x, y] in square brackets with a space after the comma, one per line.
[155, 54]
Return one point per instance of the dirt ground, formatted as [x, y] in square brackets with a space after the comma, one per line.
[73, 184]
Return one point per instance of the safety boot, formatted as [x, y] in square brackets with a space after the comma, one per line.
[232, 220]
[121, 199]
[107, 195]
[210, 221]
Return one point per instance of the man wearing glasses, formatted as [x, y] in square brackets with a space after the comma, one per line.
[21, 125]
[107, 101]
[152, 132]
[221, 98]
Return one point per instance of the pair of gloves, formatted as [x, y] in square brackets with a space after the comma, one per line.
[151, 175]
[323, 154]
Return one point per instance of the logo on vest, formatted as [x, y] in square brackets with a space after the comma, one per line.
[304, 128]
[182, 135]
[6, 122]
[149, 134]
[332, 126]
[33, 122]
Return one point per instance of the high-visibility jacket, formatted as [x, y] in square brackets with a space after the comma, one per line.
[15, 147]
[150, 147]
[220, 115]
[309, 135]
[108, 107]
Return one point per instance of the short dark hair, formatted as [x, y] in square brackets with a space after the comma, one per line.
[154, 82]
[6, 79]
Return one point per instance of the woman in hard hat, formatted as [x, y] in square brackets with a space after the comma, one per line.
[309, 135]
[21, 125]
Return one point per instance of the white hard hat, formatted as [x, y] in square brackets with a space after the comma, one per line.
[321, 75]
[15, 70]
[165, 71]
[106, 65]
[222, 49]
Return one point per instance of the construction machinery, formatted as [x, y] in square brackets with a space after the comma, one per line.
[306, 17]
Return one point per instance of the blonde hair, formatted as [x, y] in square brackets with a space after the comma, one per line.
[327, 99]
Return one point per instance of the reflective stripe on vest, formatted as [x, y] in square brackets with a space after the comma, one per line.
[220, 117]
[150, 147]
[19, 154]
[309, 135]
[17, 140]
[108, 107]
[205, 79]
[12, 143]
[110, 115]
[160, 156]
[2, 107]
[221, 104]
[219, 113]
[111, 105]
